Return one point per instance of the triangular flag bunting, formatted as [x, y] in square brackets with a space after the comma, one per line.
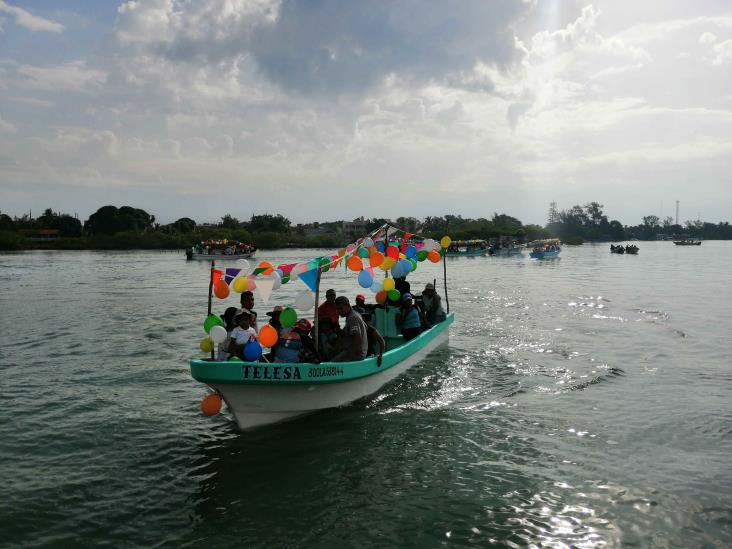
[309, 278]
[231, 274]
[264, 289]
[259, 270]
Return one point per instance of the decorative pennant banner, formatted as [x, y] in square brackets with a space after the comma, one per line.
[310, 278]
[264, 288]
[259, 270]
[231, 274]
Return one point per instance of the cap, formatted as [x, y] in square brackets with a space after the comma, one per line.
[361, 296]
[302, 324]
[429, 286]
[407, 297]
[277, 309]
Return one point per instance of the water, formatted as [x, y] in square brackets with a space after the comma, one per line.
[583, 402]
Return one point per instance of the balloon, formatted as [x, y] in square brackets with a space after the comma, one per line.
[285, 279]
[218, 334]
[376, 259]
[235, 359]
[277, 280]
[354, 263]
[252, 351]
[406, 267]
[288, 317]
[387, 264]
[396, 270]
[414, 263]
[211, 404]
[380, 246]
[368, 242]
[243, 264]
[279, 272]
[252, 282]
[221, 289]
[411, 252]
[434, 256]
[240, 284]
[381, 297]
[422, 255]
[324, 264]
[376, 286]
[393, 252]
[445, 242]
[365, 280]
[388, 284]
[211, 321]
[267, 266]
[350, 248]
[206, 344]
[304, 301]
[363, 252]
[268, 335]
[341, 252]
[394, 295]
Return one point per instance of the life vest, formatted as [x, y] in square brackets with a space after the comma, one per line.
[288, 347]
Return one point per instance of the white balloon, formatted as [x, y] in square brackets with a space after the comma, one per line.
[367, 242]
[242, 264]
[277, 280]
[304, 301]
[218, 334]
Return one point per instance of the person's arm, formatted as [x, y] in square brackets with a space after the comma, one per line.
[423, 318]
[381, 343]
[352, 349]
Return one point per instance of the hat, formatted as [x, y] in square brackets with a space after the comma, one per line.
[302, 324]
[241, 312]
[407, 297]
[342, 300]
[429, 286]
[361, 296]
[277, 309]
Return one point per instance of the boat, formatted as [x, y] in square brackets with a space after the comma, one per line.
[220, 249]
[459, 248]
[259, 393]
[545, 249]
[616, 249]
[687, 242]
[505, 250]
[631, 249]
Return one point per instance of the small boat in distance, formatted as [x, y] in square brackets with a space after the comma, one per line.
[631, 249]
[545, 249]
[220, 249]
[467, 248]
[687, 242]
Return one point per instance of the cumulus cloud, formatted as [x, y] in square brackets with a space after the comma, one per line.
[28, 20]
[73, 76]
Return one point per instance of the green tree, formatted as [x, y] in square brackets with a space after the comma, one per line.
[230, 222]
[110, 220]
[269, 223]
[184, 225]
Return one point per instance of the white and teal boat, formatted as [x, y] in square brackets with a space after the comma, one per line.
[258, 393]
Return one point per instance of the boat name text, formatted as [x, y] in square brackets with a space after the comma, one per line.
[326, 371]
[271, 372]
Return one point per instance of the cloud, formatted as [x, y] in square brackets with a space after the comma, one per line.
[6, 126]
[74, 76]
[30, 21]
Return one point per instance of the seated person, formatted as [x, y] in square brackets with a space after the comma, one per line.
[375, 340]
[222, 353]
[328, 335]
[354, 340]
[242, 334]
[328, 311]
[247, 302]
[360, 306]
[432, 303]
[409, 318]
[402, 285]
[274, 317]
[296, 345]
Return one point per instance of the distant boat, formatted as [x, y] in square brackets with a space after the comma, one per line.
[220, 249]
[687, 242]
[467, 248]
[506, 251]
[545, 249]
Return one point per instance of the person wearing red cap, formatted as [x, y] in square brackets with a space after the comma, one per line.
[360, 306]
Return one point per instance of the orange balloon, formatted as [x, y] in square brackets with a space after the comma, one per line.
[434, 256]
[355, 263]
[221, 289]
[268, 336]
[211, 405]
[381, 297]
[376, 259]
[267, 266]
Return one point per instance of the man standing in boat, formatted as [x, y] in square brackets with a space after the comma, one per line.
[355, 345]
[247, 303]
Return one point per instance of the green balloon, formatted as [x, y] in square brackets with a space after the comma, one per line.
[211, 321]
[394, 295]
[285, 279]
[288, 317]
[235, 359]
[325, 264]
[422, 255]
[363, 252]
[414, 264]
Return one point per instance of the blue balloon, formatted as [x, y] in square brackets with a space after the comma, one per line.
[396, 270]
[380, 246]
[411, 252]
[252, 351]
[376, 287]
[406, 266]
[365, 280]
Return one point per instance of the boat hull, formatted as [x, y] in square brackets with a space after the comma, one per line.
[259, 394]
[467, 254]
[544, 255]
[219, 257]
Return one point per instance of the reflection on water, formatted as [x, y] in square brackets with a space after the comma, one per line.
[580, 403]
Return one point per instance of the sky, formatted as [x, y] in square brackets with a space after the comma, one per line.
[326, 110]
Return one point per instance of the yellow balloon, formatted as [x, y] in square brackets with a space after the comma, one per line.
[388, 284]
[206, 345]
[240, 284]
[402, 256]
[387, 264]
[445, 242]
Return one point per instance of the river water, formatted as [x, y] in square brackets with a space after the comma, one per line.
[585, 402]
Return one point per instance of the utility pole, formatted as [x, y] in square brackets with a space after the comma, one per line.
[677, 212]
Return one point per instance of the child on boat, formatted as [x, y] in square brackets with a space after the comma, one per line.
[243, 333]
[223, 347]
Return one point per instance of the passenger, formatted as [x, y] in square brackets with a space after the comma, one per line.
[274, 319]
[409, 318]
[360, 306]
[243, 333]
[402, 285]
[354, 340]
[375, 340]
[296, 345]
[247, 302]
[222, 353]
[432, 303]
